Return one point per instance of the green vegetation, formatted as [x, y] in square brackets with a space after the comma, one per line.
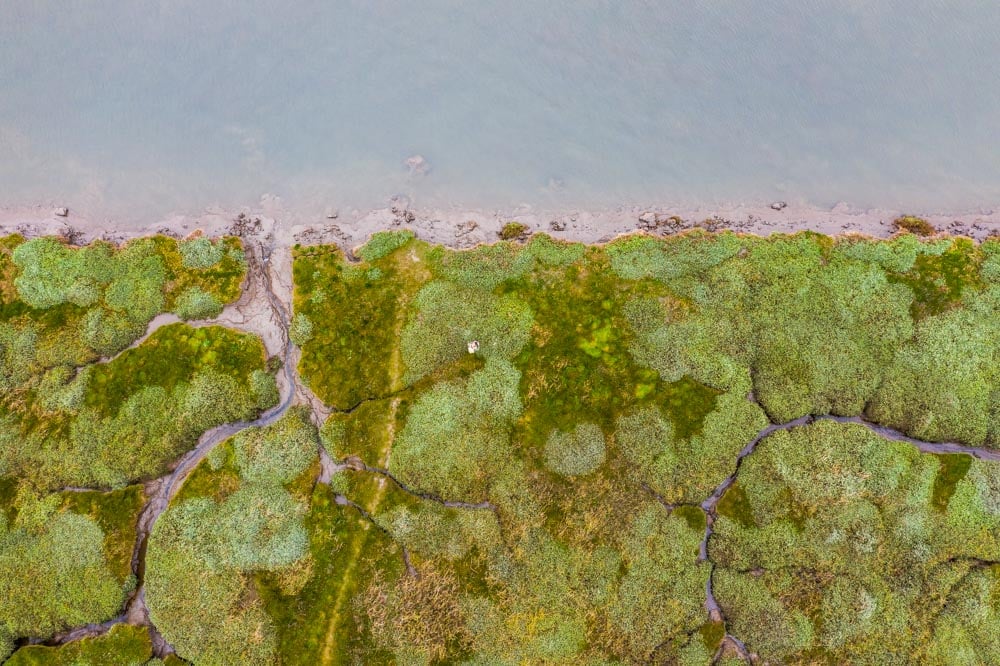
[69, 418]
[915, 225]
[239, 516]
[557, 412]
[123, 645]
[126, 419]
[58, 568]
[513, 231]
[524, 435]
[847, 548]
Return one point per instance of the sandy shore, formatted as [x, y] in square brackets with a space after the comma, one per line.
[465, 228]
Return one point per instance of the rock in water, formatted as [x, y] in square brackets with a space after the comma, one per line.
[779, 205]
[62, 212]
[417, 165]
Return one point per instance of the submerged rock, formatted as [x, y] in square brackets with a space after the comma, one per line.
[417, 165]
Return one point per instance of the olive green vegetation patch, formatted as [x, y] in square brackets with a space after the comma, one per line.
[123, 645]
[116, 513]
[356, 313]
[322, 622]
[124, 420]
[234, 534]
[939, 280]
[954, 468]
[837, 544]
[171, 355]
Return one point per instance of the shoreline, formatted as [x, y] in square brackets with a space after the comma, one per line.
[463, 228]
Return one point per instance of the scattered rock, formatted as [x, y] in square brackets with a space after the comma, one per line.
[557, 225]
[466, 228]
[62, 212]
[672, 222]
[333, 214]
[244, 225]
[647, 220]
[72, 236]
[326, 234]
[779, 205]
[402, 215]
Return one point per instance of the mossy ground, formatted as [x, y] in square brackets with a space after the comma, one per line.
[544, 420]
[123, 645]
[651, 347]
[78, 411]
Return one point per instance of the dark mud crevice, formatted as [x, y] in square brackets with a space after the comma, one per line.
[356, 464]
[343, 500]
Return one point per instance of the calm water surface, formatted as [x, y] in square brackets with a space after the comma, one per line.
[142, 108]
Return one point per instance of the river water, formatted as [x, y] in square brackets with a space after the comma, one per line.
[144, 108]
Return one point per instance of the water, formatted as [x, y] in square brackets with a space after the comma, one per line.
[144, 108]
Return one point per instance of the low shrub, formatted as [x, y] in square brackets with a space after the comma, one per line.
[200, 252]
[513, 231]
[196, 303]
[914, 225]
[575, 453]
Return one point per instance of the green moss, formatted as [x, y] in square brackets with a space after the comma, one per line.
[914, 225]
[352, 356]
[512, 231]
[116, 514]
[123, 645]
[953, 469]
[938, 281]
[173, 354]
